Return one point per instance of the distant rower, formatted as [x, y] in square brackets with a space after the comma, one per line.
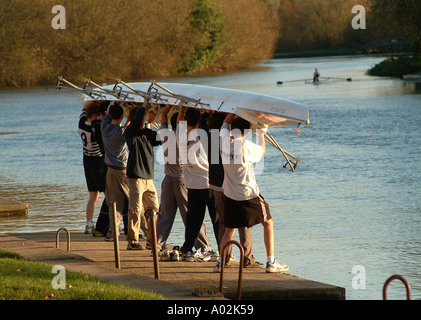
[316, 76]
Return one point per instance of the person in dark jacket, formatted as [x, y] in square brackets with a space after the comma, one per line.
[140, 173]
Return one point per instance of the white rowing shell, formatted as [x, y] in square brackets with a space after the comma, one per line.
[260, 110]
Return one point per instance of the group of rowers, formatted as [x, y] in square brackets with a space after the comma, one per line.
[119, 162]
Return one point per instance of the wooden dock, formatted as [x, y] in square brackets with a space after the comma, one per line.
[12, 208]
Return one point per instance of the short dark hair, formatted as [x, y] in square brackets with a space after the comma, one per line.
[91, 109]
[240, 124]
[102, 107]
[174, 120]
[192, 117]
[215, 120]
[132, 113]
[116, 111]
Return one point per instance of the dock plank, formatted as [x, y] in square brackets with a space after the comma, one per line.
[12, 208]
[95, 254]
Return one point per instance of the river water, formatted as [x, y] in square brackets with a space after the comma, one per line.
[349, 216]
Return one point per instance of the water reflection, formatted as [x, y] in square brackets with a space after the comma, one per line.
[49, 206]
[354, 199]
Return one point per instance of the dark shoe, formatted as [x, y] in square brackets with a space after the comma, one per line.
[148, 246]
[135, 246]
[253, 263]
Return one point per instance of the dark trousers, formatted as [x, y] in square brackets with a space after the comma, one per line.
[103, 221]
[198, 200]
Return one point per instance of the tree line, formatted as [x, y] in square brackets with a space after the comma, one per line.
[144, 39]
[326, 24]
[106, 39]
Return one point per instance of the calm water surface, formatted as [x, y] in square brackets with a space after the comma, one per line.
[355, 198]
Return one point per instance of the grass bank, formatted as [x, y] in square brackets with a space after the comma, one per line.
[21, 279]
[396, 67]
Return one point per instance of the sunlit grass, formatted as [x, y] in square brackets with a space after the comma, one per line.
[21, 279]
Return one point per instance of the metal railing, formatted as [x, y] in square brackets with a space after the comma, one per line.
[394, 277]
[68, 238]
[240, 275]
[150, 216]
[116, 232]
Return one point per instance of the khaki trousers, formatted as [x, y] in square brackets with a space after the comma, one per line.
[117, 190]
[142, 197]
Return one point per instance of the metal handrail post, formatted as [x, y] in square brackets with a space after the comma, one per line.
[151, 218]
[115, 234]
[68, 238]
[388, 281]
[240, 275]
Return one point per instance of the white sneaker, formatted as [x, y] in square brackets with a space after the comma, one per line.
[214, 255]
[275, 266]
[199, 256]
[89, 228]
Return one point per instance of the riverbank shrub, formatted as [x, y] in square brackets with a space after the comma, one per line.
[396, 67]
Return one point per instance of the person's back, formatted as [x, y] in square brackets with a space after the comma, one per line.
[140, 142]
[113, 138]
[140, 173]
[87, 133]
[173, 167]
[316, 76]
[173, 190]
[212, 125]
[96, 124]
[93, 160]
[116, 156]
[238, 155]
[195, 168]
[243, 204]
[192, 151]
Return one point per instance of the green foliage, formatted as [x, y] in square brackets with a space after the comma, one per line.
[398, 18]
[10, 255]
[208, 27]
[21, 279]
[396, 67]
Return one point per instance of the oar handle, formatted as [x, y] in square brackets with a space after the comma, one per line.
[281, 82]
[347, 79]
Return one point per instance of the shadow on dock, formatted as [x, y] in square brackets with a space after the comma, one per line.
[179, 280]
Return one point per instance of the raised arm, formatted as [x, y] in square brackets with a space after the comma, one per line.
[181, 113]
[262, 142]
[164, 114]
[135, 123]
[229, 118]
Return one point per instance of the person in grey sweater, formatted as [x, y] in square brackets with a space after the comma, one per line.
[116, 156]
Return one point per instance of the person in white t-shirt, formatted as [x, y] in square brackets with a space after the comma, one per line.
[192, 147]
[173, 190]
[243, 204]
